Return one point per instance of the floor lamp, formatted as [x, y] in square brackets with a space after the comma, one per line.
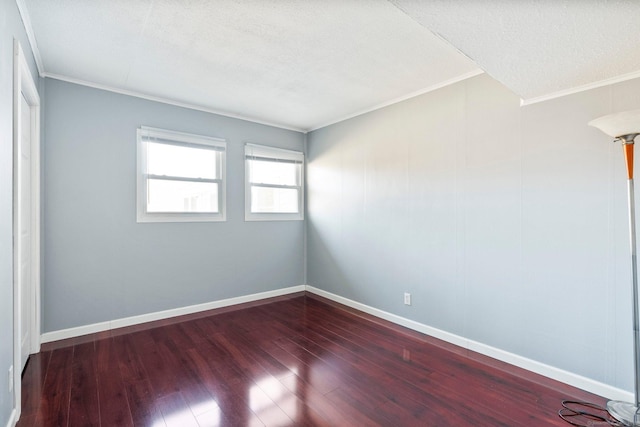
[625, 127]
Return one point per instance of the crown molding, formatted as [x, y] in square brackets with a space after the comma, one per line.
[428, 89]
[167, 101]
[578, 89]
[26, 21]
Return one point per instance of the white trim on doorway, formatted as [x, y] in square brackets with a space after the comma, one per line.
[12, 419]
[24, 86]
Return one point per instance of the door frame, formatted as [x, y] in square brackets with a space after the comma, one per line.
[23, 84]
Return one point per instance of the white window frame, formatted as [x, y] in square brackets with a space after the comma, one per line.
[145, 134]
[252, 151]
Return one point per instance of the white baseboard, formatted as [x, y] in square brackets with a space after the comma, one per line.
[548, 371]
[566, 377]
[166, 314]
[12, 418]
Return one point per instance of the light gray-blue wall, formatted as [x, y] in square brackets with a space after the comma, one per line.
[507, 224]
[99, 263]
[10, 28]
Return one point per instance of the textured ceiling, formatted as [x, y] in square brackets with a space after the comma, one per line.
[304, 64]
[540, 47]
[299, 64]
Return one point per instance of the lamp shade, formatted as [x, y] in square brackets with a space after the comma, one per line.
[618, 124]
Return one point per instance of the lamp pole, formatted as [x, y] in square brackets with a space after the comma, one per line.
[615, 407]
[625, 127]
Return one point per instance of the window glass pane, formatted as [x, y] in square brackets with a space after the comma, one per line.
[182, 196]
[274, 200]
[174, 160]
[278, 173]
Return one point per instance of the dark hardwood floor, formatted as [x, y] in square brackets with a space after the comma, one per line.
[296, 360]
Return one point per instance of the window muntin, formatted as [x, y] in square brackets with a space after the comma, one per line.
[180, 177]
[274, 184]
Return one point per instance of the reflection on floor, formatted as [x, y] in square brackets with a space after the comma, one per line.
[294, 360]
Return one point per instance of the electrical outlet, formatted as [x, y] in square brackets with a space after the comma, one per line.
[407, 298]
[10, 378]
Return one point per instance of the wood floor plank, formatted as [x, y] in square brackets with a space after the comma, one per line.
[84, 408]
[144, 407]
[129, 357]
[301, 363]
[478, 386]
[229, 397]
[320, 404]
[253, 361]
[176, 412]
[114, 405]
[417, 375]
[188, 382]
[295, 361]
[32, 388]
[212, 418]
[54, 402]
[162, 379]
[361, 370]
[260, 355]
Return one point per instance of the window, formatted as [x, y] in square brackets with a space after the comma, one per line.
[274, 187]
[180, 177]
